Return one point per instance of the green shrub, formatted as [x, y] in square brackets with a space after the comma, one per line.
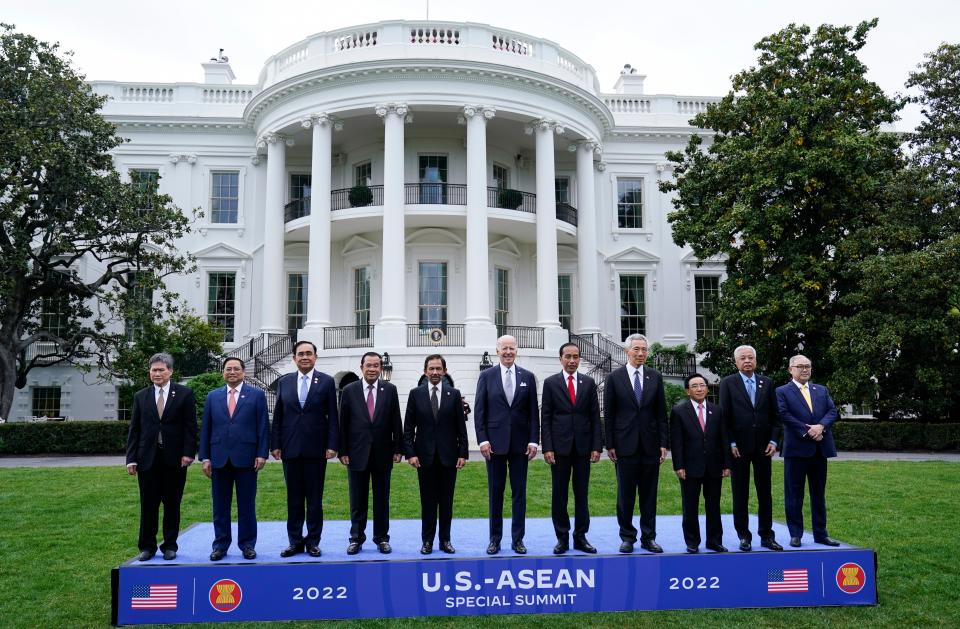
[360, 196]
[510, 199]
[673, 393]
[73, 437]
[202, 385]
[893, 436]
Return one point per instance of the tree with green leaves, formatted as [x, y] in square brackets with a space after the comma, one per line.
[797, 161]
[899, 348]
[79, 246]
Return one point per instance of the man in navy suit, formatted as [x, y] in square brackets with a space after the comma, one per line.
[306, 432]
[160, 446]
[807, 413]
[508, 431]
[371, 441]
[701, 460]
[570, 426]
[749, 405]
[435, 440]
[635, 417]
[234, 443]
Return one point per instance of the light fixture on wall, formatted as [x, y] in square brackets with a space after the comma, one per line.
[520, 160]
[387, 367]
[485, 361]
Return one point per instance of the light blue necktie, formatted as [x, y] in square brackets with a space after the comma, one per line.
[637, 387]
[751, 391]
[304, 387]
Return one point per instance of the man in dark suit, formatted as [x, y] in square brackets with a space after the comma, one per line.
[807, 413]
[234, 443]
[753, 427]
[701, 460]
[570, 426]
[508, 432]
[161, 444]
[306, 432]
[635, 417]
[435, 441]
[371, 441]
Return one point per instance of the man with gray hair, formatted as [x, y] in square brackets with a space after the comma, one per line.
[161, 443]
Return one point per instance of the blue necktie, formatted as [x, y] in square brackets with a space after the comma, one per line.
[751, 391]
[637, 387]
[304, 386]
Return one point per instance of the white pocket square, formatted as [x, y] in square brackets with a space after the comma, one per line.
[523, 384]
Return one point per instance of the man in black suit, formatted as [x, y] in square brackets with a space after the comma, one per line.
[635, 417]
[306, 432]
[753, 427]
[570, 425]
[371, 441]
[161, 444]
[435, 440]
[508, 433]
[701, 460]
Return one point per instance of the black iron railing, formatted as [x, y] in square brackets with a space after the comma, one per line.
[512, 200]
[567, 213]
[347, 336]
[674, 366]
[435, 194]
[527, 336]
[440, 335]
[298, 208]
[340, 199]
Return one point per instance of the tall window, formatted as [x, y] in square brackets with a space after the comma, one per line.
[46, 402]
[707, 290]
[433, 295]
[124, 405]
[361, 301]
[630, 203]
[224, 196]
[146, 180]
[296, 302]
[141, 297]
[501, 177]
[363, 174]
[565, 302]
[562, 187]
[633, 308]
[54, 314]
[501, 313]
[222, 302]
[300, 188]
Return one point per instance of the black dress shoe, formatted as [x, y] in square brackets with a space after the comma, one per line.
[717, 548]
[217, 554]
[493, 547]
[384, 548]
[795, 542]
[447, 547]
[827, 541]
[693, 550]
[519, 548]
[169, 554]
[745, 545]
[584, 546]
[146, 555]
[771, 544]
[291, 550]
[651, 546]
[314, 551]
[249, 553]
[353, 548]
[626, 547]
[427, 548]
[561, 548]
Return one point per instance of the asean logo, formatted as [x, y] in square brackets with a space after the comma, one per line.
[851, 578]
[225, 595]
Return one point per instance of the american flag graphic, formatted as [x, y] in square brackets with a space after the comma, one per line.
[154, 597]
[787, 580]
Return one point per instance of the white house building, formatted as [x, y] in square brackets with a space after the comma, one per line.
[361, 195]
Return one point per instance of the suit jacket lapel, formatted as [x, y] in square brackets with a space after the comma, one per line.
[378, 403]
[742, 388]
[633, 397]
[799, 397]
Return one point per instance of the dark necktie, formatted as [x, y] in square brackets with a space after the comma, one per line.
[370, 401]
[434, 402]
[637, 386]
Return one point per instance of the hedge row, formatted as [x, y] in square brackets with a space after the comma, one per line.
[895, 436]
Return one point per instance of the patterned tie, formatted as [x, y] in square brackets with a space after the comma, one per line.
[231, 401]
[434, 403]
[637, 387]
[304, 387]
[703, 423]
[508, 387]
[573, 392]
[806, 396]
[370, 401]
[160, 406]
[751, 391]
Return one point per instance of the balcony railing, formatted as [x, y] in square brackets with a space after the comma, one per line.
[298, 208]
[527, 336]
[348, 336]
[439, 335]
[340, 199]
[435, 194]
[567, 213]
[43, 353]
[674, 366]
[512, 200]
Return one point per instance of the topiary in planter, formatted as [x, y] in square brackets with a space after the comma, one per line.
[360, 196]
[510, 199]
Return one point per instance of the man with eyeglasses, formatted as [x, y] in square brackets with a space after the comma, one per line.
[807, 413]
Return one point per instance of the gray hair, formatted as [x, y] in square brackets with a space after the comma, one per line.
[162, 357]
[635, 337]
[503, 339]
[797, 358]
[749, 347]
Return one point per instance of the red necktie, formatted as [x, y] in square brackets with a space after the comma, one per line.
[370, 400]
[703, 424]
[232, 401]
[573, 392]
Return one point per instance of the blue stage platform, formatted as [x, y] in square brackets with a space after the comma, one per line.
[406, 583]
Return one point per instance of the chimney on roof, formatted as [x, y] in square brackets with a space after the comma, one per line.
[629, 82]
[218, 71]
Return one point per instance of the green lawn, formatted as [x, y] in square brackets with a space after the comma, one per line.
[62, 530]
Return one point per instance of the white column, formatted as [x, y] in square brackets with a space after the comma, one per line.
[480, 331]
[318, 268]
[548, 310]
[272, 297]
[391, 328]
[588, 295]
